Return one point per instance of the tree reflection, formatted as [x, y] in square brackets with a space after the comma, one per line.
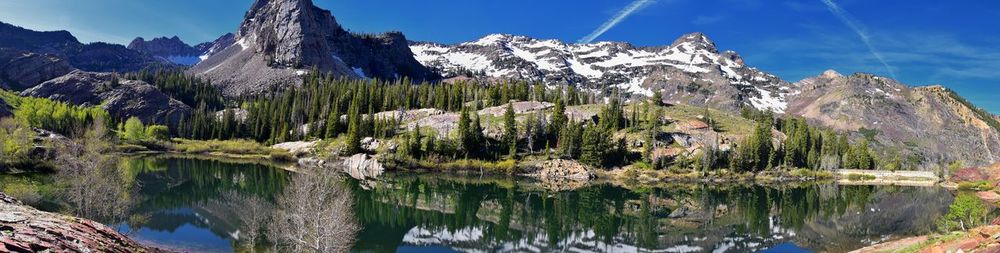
[90, 181]
[314, 214]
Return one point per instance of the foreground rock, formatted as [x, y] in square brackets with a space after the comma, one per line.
[126, 98]
[25, 229]
[981, 239]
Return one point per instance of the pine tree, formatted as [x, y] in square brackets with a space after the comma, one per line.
[332, 122]
[464, 127]
[354, 126]
[595, 146]
[415, 142]
[510, 131]
[558, 120]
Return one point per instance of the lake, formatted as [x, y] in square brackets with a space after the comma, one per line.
[197, 205]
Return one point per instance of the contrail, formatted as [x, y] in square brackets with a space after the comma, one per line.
[621, 15]
[860, 30]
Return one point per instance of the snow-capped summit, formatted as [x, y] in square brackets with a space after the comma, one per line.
[690, 70]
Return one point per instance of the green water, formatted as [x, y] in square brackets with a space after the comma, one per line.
[196, 205]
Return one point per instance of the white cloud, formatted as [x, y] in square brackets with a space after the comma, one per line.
[611, 23]
[860, 30]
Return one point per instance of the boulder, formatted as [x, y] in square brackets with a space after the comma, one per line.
[369, 144]
[26, 229]
[362, 166]
[296, 148]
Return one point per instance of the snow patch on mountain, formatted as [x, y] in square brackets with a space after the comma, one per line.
[605, 64]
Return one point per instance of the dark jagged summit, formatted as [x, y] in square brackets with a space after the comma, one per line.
[280, 40]
[171, 49]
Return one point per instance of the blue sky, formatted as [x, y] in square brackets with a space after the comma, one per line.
[955, 43]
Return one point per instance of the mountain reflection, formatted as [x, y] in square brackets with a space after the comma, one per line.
[472, 215]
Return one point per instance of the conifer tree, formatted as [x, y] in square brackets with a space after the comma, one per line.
[354, 126]
[510, 131]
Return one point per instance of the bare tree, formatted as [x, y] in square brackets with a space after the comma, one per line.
[90, 180]
[315, 214]
[253, 213]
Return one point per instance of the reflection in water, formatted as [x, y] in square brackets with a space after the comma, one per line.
[213, 206]
[477, 216]
[314, 215]
[90, 182]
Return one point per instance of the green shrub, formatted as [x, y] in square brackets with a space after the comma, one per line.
[280, 155]
[235, 147]
[967, 211]
[975, 186]
[158, 132]
[860, 177]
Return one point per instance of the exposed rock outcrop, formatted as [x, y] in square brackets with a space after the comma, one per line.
[126, 98]
[25, 229]
[280, 40]
[559, 170]
[21, 69]
[296, 148]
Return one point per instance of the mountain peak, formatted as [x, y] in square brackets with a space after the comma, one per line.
[279, 39]
[830, 73]
[694, 41]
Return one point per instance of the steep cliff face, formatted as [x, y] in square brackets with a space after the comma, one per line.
[121, 98]
[280, 40]
[931, 123]
[20, 69]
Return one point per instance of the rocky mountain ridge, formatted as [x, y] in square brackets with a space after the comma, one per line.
[927, 125]
[691, 70]
[170, 49]
[97, 56]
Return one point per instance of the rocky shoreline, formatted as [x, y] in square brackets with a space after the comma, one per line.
[26, 229]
